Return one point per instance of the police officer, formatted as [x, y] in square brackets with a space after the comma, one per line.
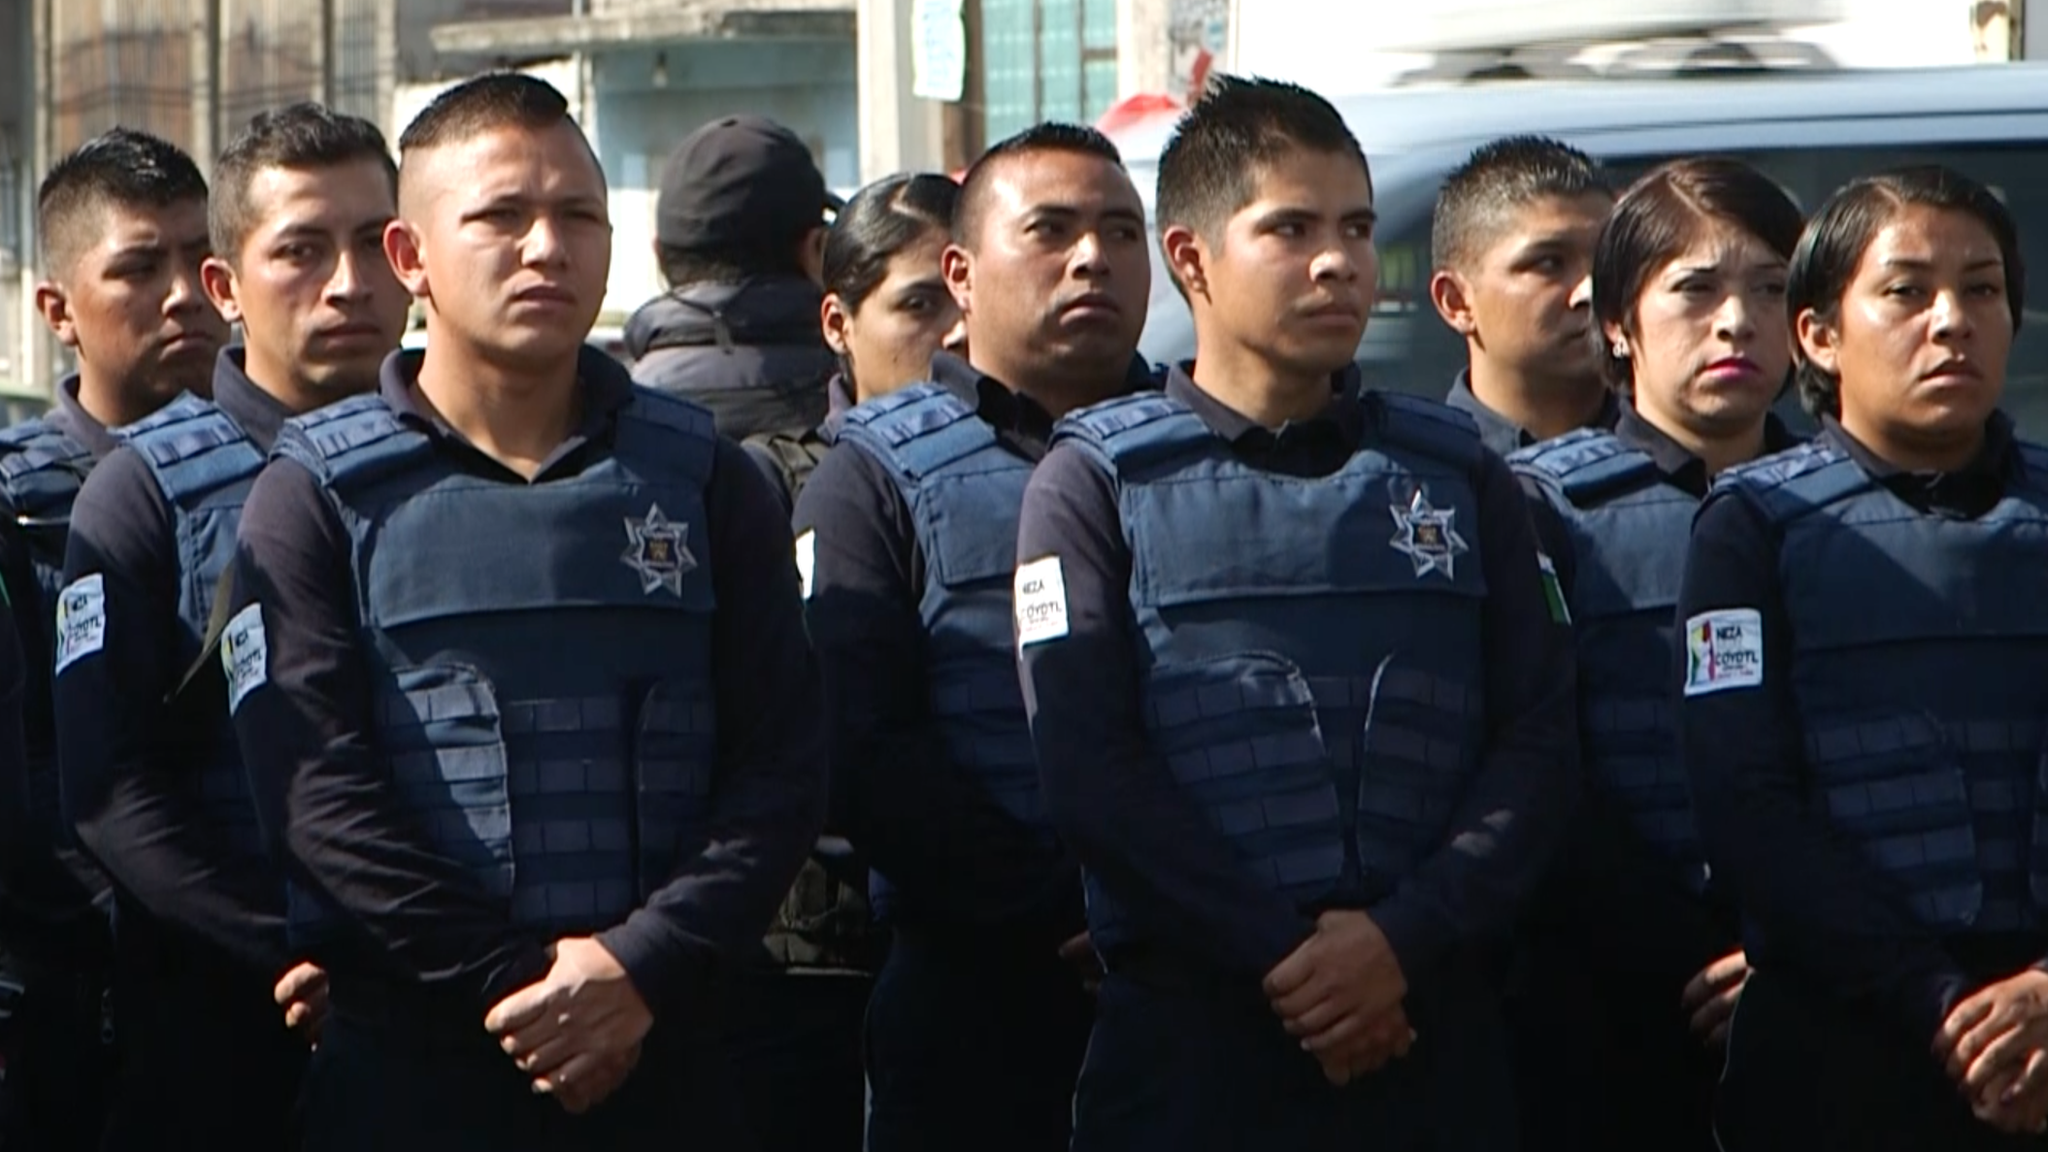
[1870, 790]
[156, 787]
[1632, 961]
[909, 530]
[795, 1022]
[1512, 239]
[739, 231]
[122, 223]
[518, 665]
[1299, 703]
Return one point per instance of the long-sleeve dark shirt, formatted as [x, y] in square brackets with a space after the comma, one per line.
[1615, 897]
[53, 891]
[1114, 799]
[308, 735]
[1504, 435]
[1821, 912]
[916, 815]
[131, 751]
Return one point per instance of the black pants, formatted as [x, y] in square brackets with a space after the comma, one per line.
[1581, 1033]
[1175, 1066]
[204, 1062]
[60, 1064]
[974, 1046]
[793, 1046]
[1806, 1075]
[395, 1086]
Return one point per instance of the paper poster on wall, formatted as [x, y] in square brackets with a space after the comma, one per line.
[938, 50]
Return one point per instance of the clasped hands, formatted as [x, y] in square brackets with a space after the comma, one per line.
[1341, 993]
[576, 1032]
[1994, 1044]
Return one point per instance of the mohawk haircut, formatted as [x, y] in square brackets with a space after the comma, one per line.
[123, 167]
[303, 135]
[1498, 179]
[484, 104]
[1238, 130]
[1047, 137]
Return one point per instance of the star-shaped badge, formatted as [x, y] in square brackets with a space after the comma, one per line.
[1424, 534]
[656, 549]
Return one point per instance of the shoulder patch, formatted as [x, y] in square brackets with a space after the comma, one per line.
[244, 655]
[1040, 596]
[81, 620]
[807, 560]
[1724, 649]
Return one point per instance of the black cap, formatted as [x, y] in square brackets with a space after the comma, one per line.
[742, 178]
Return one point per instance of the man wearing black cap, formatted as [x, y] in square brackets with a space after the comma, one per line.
[739, 233]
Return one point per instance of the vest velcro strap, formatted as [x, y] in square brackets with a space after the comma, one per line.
[584, 715]
[571, 902]
[1646, 716]
[535, 838]
[1296, 808]
[1645, 772]
[969, 692]
[1316, 864]
[1918, 850]
[1291, 749]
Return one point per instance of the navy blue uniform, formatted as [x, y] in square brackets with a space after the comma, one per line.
[909, 527]
[54, 902]
[1865, 678]
[1626, 916]
[483, 713]
[152, 778]
[1273, 673]
[1503, 435]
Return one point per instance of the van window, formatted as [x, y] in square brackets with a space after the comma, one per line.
[1408, 347]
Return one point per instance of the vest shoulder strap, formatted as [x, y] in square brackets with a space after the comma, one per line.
[41, 469]
[669, 432]
[1588, 465]
[193, 449]
[919, 430]
[1428, 427]
[1795, 482]
[1136, 430]
[352, 443]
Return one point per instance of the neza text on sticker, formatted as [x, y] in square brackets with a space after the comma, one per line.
[1724, 649]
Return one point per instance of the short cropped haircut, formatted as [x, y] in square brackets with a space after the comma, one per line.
[1047, 137]
[300, 136]
[1840, 233]
[1480, 196]
[483, 104]
[123, 168]
[881, 221]
[1656, 219]
[1236, 132]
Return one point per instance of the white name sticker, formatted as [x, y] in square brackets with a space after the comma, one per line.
[1724, 649]
[1040, 596]
[244, 654]
[81, 620]
[807, 559]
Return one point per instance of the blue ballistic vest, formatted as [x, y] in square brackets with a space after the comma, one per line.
[1629, 532]
[1920, 664]
[204, 465]
[1310, 646]
[541, 652]
[41, 471]
[965, 492]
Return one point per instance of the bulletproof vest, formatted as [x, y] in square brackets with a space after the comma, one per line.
[1310, 647]
[1920, 666]
[965, 491]
[41, 471]
[1629, 531]
[204, 464]
[541, 653]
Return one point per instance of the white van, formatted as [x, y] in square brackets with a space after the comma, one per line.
[1811, 132]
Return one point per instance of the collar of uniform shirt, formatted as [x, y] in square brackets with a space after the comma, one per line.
[1970, 489]
[71, 418]
[256, 412]
[1344, 415]
[1494, 427]
[1679, 466]
[607, 388]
